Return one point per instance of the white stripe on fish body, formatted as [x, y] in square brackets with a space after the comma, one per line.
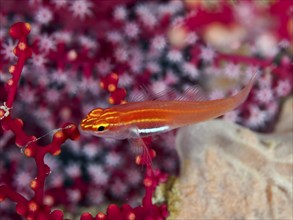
[151, 131]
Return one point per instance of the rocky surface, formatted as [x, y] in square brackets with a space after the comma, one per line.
[230, 172]
[285, 123]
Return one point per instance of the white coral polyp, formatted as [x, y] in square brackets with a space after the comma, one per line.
[44, 15]
[81, 8]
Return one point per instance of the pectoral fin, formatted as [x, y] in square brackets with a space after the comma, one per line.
[140, 148]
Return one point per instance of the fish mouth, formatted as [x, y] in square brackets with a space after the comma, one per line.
[84, 126]
[83, 129]
[87, 124]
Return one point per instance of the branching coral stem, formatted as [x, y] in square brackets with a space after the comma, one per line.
[6, 191]
[34, 207]
[15, 79]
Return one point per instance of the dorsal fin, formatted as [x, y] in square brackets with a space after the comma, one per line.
[138, 96]
[190, 94]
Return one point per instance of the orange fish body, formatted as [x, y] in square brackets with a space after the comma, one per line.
[146, 118]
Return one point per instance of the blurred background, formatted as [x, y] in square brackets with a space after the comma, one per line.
[215, 44]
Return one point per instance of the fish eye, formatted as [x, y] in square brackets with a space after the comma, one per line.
[101, 128]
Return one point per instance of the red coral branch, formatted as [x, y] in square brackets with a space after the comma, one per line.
[18, 31]
[35, 207]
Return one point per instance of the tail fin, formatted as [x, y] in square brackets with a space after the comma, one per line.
[242, 95]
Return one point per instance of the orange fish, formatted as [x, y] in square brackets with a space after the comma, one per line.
[135, 120]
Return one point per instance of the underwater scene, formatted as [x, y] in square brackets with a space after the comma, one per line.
[146, 109]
